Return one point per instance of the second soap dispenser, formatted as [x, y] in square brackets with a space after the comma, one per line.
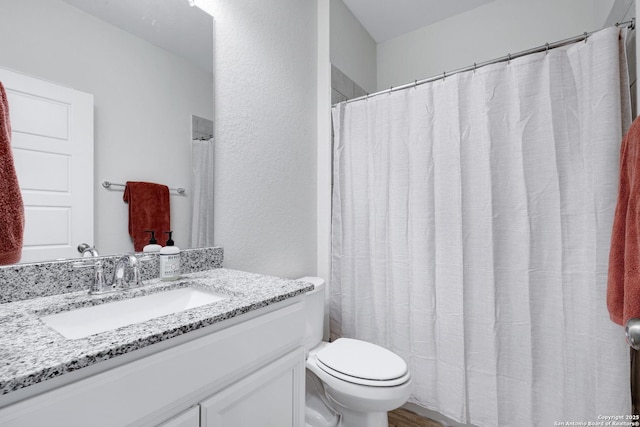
[153, 245]
[169, 260]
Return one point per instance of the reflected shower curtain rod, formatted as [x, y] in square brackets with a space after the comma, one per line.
[546, 47]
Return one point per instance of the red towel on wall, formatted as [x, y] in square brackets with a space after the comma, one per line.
[623, 287]
[11, 205]
[148, 210]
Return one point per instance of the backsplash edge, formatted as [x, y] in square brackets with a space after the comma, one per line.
[25, 281]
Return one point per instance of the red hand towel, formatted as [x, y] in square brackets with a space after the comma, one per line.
[148, 210]
[623, 287]
[11, 205]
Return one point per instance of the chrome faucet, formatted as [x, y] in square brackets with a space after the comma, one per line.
[97, 284]
[87, 251]
[122, 280]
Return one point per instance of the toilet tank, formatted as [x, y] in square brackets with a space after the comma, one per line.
[314, 311]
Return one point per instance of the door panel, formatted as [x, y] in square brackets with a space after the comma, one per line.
[52, 142]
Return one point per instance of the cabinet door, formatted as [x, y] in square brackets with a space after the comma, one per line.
[188, 418]
[52, 144]
[273, 396]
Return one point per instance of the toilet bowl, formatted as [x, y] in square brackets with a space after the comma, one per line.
[350, 383]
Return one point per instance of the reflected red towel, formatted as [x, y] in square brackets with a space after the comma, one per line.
[148, 210]
[623, 287]
[11, 205]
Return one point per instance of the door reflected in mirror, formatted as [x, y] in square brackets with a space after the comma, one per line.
[149, 69]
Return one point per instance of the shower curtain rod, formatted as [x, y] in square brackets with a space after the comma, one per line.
[629, 24]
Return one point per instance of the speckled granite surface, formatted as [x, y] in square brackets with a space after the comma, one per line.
[25, 281]
[31, 352]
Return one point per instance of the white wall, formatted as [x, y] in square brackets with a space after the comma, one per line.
[144, 98]
[324, 146]
[602, 10]
[484, 33]
[353, 50]
[265, 129]
[622, 11]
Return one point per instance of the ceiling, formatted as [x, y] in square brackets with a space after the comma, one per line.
[387, 19]
[172, 25]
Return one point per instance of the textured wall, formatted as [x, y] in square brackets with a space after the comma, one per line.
[265, 130]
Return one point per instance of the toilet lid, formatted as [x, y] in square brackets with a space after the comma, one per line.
[360, 360]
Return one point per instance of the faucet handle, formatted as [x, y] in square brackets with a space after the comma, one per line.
[99, 283]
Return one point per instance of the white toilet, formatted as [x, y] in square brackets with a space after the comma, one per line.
[350, 383]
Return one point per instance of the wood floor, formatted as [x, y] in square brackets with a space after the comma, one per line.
[403, 418]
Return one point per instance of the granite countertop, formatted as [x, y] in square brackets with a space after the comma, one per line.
[31, 352]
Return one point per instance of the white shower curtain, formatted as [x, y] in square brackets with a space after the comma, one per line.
[471, 227]
[202, 154]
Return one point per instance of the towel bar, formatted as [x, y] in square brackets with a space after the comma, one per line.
[108, 184]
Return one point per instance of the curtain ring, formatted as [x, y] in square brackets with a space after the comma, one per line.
[586, 36]
[508, 58]
[475, 67]
[547, 48]
[444, 75]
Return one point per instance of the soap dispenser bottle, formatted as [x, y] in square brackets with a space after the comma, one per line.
[169, 260]
[153, 246]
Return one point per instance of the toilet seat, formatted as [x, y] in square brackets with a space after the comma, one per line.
[362, 363]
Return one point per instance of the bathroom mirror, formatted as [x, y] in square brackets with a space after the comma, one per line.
[148, 65]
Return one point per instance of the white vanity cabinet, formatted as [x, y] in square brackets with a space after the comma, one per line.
[271, 396]
[247, 371]
[188, 418]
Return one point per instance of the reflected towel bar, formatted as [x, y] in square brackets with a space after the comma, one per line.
[108, 184]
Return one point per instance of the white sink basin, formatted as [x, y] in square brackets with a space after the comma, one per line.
[82, 322]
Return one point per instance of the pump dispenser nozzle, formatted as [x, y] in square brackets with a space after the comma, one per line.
[152, 240]
[153, 245]
[169, 241]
